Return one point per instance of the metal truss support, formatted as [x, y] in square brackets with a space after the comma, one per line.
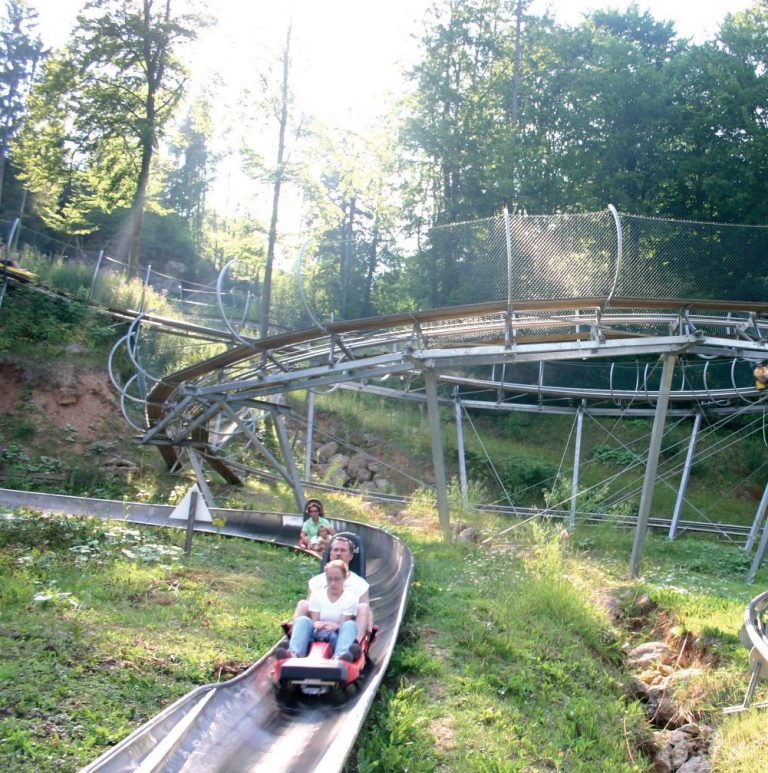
[754, 677]
[289, 472]
[438, 461]
[309, 438]
[652, 464]
[761, 508]
[685, 477]
[197, 466]
[290, 462]
[460, 446]
[576, 464]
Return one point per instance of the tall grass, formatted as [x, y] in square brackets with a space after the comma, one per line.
[503, 665]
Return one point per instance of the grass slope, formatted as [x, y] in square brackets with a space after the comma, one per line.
[101, 626]
[506, 661]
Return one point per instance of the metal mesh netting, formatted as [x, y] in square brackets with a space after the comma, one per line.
[686, 259]
[570, 256]
[561, 256]
[503, 258]
[463, 263]
[564, 257]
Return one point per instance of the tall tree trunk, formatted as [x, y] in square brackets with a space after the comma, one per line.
[518, 57]
[137, 209]
[373, 255]
[155, 58]
[2, 172]
[346, 255]
[266, 298]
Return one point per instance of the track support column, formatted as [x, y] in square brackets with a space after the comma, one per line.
[685, 477]
[654, 449]
[309, 435]
[460, 446]
[576, 464]
[290, 462]
[202, 484]
[758, 559]
[438, 461]
[758, 519]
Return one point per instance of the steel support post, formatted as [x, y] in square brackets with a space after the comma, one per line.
[460, 446]
[438, 462]
[761, 508]
[652, 464]
[758, 559]
[685, 477]
[197, 466]
[95, 273]
[508, 235]
[144, 287]
[290, 462]
[576, 464]
[309, 435]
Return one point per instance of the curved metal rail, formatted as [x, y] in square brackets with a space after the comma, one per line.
[240, 725]
[443, 340]
[754, 637]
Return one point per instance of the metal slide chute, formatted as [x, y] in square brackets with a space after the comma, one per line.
[242, 724]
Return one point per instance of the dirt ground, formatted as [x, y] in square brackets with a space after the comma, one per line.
[66, 407]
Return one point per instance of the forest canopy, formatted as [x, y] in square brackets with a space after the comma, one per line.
[108, 143]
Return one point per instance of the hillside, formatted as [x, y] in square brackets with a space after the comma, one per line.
[60, 424]
[666, 652]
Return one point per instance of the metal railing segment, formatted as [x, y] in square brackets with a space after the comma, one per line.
[754, 637]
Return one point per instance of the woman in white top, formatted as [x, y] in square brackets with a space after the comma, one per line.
[331, 618]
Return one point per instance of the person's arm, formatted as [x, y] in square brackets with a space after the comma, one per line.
[314, 615]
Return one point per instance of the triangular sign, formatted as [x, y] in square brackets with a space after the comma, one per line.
[202, 513]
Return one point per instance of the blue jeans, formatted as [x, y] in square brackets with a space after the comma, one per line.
[303, 633]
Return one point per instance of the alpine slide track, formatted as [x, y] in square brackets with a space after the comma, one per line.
[652, 356]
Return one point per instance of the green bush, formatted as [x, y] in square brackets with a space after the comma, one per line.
[523, 476]
[28, 529]
[621, 456]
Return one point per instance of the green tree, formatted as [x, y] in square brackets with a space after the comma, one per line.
[268, 159]
[20, 53]
[101, 109]
[190, 167]
[351, 192]
[613, 113]
[744, 130]
[457, 105]
[456, 118]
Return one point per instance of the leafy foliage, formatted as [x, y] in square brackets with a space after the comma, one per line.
[30, 318]
[615, 109]
[521, 475]
[621, 456]
[98, 113]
